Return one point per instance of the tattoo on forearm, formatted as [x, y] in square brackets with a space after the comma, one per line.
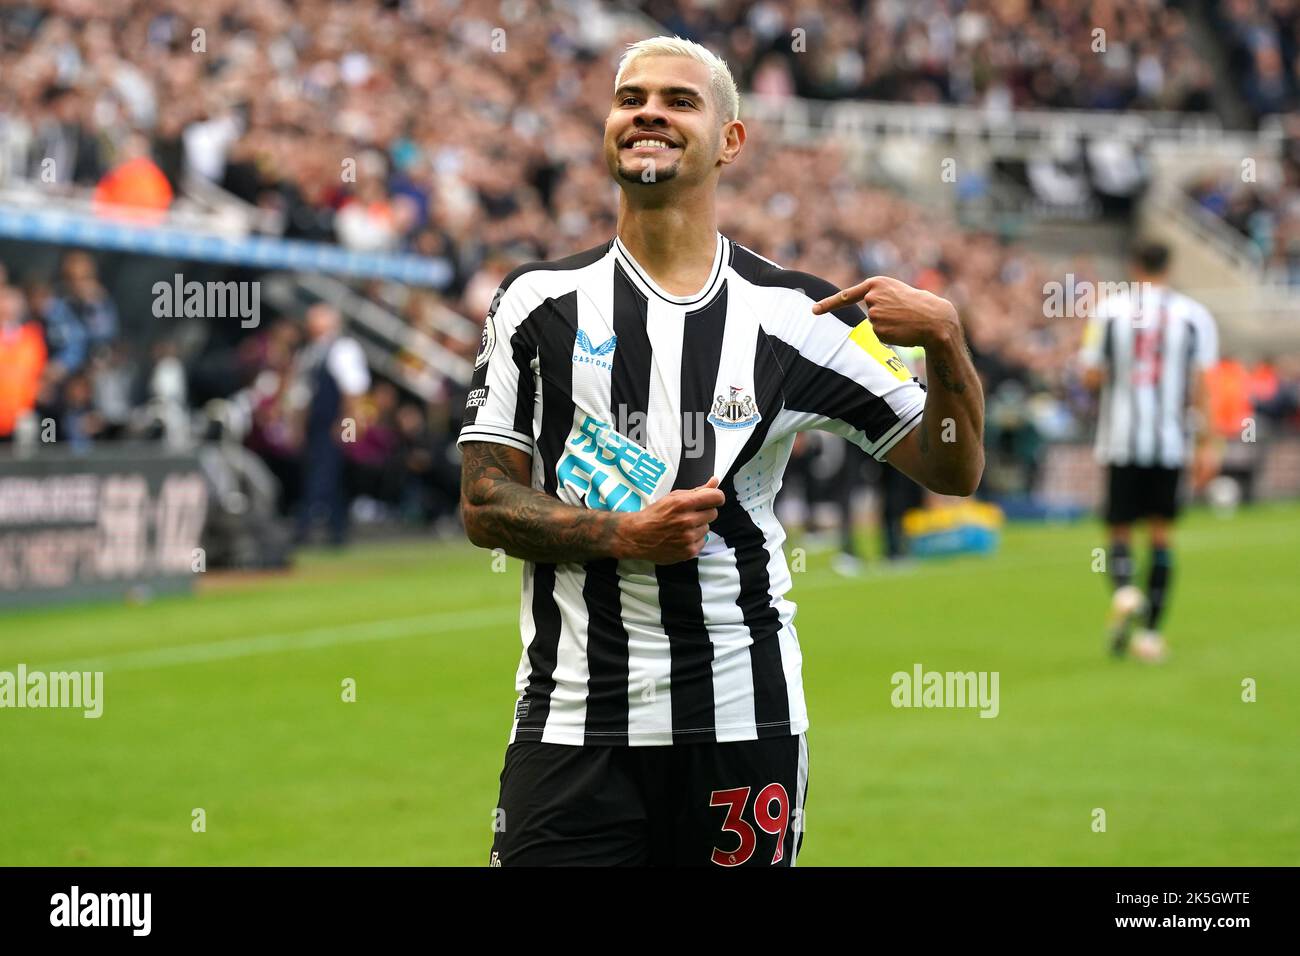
[943, 372]
[525, 522]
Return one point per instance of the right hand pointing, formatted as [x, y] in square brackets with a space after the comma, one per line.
[674, 527]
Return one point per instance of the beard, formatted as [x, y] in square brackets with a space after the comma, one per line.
[633, 173]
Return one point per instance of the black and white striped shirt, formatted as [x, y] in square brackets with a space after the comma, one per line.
[621, 393]
[1149, 340]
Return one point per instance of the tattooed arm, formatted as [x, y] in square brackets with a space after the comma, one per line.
[945, 452]
[502, 510]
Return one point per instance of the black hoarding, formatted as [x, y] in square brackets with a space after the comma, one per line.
[106, 524]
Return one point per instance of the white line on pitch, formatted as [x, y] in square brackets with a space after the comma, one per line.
[361, 632]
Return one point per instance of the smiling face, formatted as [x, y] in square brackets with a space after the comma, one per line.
[664, 124]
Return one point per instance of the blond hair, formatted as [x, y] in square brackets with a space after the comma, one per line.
[721, 82]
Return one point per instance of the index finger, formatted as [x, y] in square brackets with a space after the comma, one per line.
[843, 297]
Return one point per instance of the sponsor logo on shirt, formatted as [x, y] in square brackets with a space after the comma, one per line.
[477, 397]
[601, 356]
[612, 472]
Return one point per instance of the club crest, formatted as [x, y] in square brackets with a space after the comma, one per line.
[734, 410]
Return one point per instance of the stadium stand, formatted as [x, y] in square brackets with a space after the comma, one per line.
[387, 157]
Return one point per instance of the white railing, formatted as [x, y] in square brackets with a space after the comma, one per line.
[389, 328]
[205, 193]
[1192, 139]
[201, 206]
[1169, 201]
[397, 295]
[185, 215]
[873, 118]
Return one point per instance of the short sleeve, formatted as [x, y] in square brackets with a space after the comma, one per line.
[499, 406]
[1207, 339]
[1092, 351]
[840, 378]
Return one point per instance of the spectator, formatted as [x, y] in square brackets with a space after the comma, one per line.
[333, 375]
[22, 356]
[430, 476]
[1230, 405]
[169, 146]
[373, 471]
[135, 188]
[82, 295]
[369, 221]
[79, 421]
[112, 382]
[65, 335]
[275, 433]
[65, 150]
[1262, 37]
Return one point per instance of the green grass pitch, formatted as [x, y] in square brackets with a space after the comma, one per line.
[231, 701]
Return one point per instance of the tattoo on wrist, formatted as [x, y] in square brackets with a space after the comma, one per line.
[943, 372]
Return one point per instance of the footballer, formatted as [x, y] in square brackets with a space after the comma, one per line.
[1146, 352]
[632, 410]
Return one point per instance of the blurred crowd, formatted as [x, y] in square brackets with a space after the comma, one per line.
[70, 379]
[1268, 216]
[335, 120]
[1263, 40]
[997, 55]
[66, 369]
[395, 456]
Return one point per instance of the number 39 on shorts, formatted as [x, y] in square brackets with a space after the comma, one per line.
[771, 813]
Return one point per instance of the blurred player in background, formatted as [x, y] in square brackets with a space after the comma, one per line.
[1147, 351]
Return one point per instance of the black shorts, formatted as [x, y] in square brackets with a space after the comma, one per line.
[724, 804]
[1135, 492]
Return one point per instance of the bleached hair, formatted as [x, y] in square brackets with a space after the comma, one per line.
[721, 82]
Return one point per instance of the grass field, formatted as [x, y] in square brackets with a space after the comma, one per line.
[231, 702]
